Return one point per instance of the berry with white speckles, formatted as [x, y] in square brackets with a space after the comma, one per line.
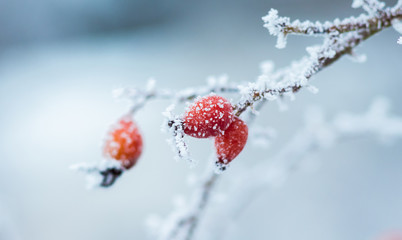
[124, 143]
[208, 116]
[232, 142]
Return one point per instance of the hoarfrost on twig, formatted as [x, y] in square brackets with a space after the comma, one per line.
[274, 24]
[376, 19]
[181, 223]
[174, 126]
[100, 174]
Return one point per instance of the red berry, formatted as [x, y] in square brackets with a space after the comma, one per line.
[124, 143]
[208, 117]
[229, 144]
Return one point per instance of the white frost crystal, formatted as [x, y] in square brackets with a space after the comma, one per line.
[174, 126]
[274, 25]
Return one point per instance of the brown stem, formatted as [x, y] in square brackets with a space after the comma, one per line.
[383, 19]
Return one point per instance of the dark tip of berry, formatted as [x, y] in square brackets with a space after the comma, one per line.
[221, 166]
[109, 176]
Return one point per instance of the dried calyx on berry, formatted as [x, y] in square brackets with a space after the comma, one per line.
[109, 176]
[230, 143]
[208, 116]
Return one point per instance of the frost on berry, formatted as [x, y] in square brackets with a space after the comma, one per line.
[208, 116]
[231, 143]
[124, 143]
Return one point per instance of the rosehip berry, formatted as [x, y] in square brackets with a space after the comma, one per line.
[124, 143]
[208, 117]
[230, 143]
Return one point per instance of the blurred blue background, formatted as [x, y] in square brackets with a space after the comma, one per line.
[60, 60]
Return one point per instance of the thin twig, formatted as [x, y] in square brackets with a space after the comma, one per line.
[182, 225]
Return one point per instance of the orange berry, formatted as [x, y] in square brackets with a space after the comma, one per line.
[124, 143]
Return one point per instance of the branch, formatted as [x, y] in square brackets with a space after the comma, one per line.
[378, 18]
[181, 224]
[291, 79]
[174, 126]
[139, 97]
[103, 173]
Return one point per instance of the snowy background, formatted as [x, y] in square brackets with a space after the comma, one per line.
[59, 62]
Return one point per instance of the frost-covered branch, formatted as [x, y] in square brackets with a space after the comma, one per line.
[182, 222]
[282, 26]
[103, 173]
[139, 97]
[291, 79]
[376, 19]
[287, 81]
[174, 126]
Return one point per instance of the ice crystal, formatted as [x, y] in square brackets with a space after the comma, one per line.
[274, 24]
[371, 6]
[173, 125]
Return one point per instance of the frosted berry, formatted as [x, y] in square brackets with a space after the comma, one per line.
[208, 117]
[229, 144]
[124, 143]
